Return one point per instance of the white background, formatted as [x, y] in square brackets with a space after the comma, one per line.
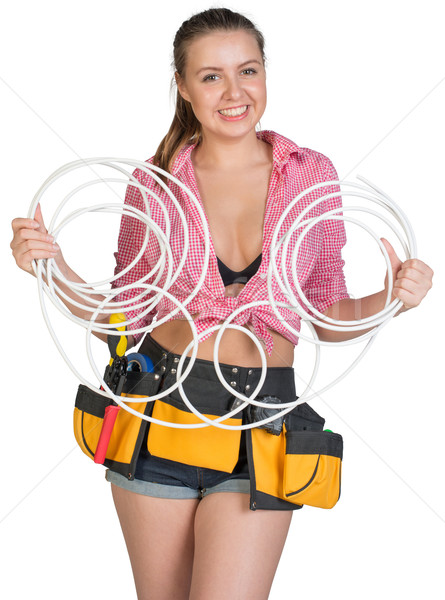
[360, 81]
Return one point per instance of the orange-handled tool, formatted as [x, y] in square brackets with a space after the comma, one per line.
[115, 378]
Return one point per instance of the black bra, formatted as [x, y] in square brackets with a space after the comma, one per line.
[229, 276]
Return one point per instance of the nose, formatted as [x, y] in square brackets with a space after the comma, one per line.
[233, 89]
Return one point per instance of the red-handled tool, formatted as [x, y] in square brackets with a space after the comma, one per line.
[115, 378]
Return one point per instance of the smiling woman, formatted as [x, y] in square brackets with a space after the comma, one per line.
[196, 502]
[187, 47]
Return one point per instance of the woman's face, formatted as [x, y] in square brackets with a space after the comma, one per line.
[225, 82]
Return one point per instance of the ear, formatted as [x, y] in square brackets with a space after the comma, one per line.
[182, 88]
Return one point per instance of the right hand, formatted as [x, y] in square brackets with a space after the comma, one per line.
[31, 242]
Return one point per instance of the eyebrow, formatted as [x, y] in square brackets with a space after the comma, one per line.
[247, 62]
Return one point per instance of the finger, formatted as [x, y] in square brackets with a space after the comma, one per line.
[408, 299]
[393, 258]
[39, 245]
[35, 254]
[417, 291]
[25, 235]
[32, 234]
[423, 279]
[408, 285]
[419, 265]
[411, 274]
[25, 259]
[20, 223]
[39, 218]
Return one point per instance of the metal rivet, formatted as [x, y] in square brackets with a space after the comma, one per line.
[247, 388]
[233, 383]
[234, 370]
[176, 359]
[157, 376]
[173, 371]
[249, 372]
[164, 368]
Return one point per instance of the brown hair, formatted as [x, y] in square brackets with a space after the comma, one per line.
[185, 127]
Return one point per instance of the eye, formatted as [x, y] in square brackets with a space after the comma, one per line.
[249, 71]
[211, 77]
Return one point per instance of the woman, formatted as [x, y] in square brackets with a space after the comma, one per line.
[188, 527]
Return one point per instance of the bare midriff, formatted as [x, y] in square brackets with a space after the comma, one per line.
[235, 348]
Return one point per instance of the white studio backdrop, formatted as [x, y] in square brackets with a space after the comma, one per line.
[363, 83]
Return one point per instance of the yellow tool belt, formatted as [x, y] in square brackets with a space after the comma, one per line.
[296, 465]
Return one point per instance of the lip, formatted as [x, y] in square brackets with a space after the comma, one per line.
[238, 117]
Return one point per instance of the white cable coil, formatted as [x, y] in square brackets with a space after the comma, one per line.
[147, 300]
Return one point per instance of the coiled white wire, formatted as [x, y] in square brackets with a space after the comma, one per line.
[146, 300]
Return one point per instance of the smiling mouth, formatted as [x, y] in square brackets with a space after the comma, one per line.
[233, 112]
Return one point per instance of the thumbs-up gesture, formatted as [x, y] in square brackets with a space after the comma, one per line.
[412, 279]
[31, 241]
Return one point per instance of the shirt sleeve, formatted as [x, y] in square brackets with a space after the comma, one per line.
[326, 282]
[131, 238]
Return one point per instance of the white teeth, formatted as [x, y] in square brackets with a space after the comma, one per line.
[233, 112]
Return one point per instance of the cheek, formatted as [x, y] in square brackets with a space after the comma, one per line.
[257, 90]
[204, 101]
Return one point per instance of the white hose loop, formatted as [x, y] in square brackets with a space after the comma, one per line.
[90, 288]
[217, 422]
[298, 302]
[49, 270]
[404, 234]
[327, 322]
[227, 324]
[151, 170]
[149, 293]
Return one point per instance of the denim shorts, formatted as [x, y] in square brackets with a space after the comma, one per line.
[163, 478]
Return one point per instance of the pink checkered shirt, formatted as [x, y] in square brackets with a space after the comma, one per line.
[319, 262]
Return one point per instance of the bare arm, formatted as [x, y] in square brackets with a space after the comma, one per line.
[412, 281]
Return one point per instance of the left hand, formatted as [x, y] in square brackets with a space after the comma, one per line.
[412, 279]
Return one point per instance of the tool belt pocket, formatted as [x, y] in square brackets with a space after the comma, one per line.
[209, 447]
[89, 412]
[301, 466]
[312, 468]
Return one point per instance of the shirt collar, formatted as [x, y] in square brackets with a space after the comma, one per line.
[282, 148]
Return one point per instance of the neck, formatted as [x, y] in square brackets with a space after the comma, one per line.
[226, 153]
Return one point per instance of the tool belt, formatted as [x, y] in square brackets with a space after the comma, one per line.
[128, 431]
[292, 461]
